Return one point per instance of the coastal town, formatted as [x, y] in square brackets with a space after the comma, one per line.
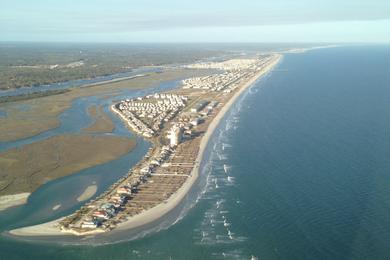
[178, 124]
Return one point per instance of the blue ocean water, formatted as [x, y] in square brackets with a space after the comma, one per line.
[299, 169]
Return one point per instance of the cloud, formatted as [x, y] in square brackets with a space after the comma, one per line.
[43, 18]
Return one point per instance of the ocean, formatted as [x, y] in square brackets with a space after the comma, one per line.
[299, 169]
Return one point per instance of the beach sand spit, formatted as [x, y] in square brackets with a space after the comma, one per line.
[88, 193]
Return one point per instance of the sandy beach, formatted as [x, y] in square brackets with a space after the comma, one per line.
[8, 201]
[46, 229]
[148, 216]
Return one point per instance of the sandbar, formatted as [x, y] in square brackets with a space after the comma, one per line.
[8, 201]
[88, 193]
[56, 207]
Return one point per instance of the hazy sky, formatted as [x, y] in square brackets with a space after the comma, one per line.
[195, 21]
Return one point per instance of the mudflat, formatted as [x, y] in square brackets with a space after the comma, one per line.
[102, 122]
[24, 169]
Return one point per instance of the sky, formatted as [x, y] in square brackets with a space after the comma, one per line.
[195, 21]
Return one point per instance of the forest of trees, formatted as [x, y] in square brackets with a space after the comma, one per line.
[35, 64]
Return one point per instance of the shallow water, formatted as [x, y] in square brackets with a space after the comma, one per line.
[3, 113]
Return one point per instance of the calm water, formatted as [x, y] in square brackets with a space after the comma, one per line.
[307, 151]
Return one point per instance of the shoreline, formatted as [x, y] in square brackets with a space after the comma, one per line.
[155, 213]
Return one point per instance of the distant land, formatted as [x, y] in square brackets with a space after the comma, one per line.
[34, 64]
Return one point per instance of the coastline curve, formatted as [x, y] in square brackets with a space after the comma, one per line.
[147, 217]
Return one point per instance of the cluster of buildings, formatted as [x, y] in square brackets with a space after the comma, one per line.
[185, 124]
[156, 160]
[229, 65]
[217, 82]
[108, 205]
[234, 71]
[226, 81]
[204, 107]
[102, 210]
[137, 125]
[146, 115]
